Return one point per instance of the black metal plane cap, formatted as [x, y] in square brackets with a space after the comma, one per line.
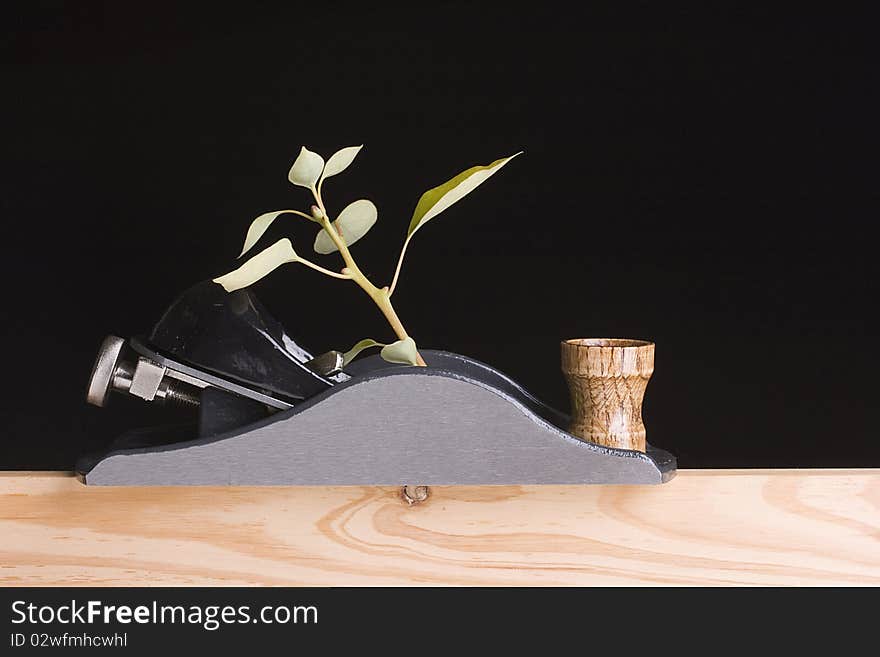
[233, 335]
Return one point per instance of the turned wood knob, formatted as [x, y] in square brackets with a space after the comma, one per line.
[607, 378]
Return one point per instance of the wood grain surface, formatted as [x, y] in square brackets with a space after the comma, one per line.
[721, 527]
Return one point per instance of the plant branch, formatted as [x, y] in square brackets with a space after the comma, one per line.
[354, 271]
[317, 192]
[399, 265]
[381, 297]
[301, 214]
[319, 268]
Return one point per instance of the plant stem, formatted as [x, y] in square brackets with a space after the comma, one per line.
[312, 265]
[380, 296]
[383, 300]
[399, 265]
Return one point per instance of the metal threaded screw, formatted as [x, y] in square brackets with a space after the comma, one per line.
[179, 396]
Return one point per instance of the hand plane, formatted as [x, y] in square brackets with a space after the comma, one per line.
[267, 412]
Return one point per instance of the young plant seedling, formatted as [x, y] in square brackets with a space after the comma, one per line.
[310, 171]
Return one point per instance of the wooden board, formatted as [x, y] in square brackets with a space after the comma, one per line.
[805, 527]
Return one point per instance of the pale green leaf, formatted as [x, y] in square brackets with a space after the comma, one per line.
[306, 169]
[340, 160]
[353, 223]
[259, 226]
[436, 200]
[352, 353]
[402, 351]
[258, 266]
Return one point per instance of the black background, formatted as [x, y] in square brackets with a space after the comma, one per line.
[704, 179]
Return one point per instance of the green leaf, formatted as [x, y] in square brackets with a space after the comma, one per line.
[340, 160]
[353, 223]
[258, 266]
[352, 353]
[436, 200]
[402, 351]
[259, 226]
[306, 169]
